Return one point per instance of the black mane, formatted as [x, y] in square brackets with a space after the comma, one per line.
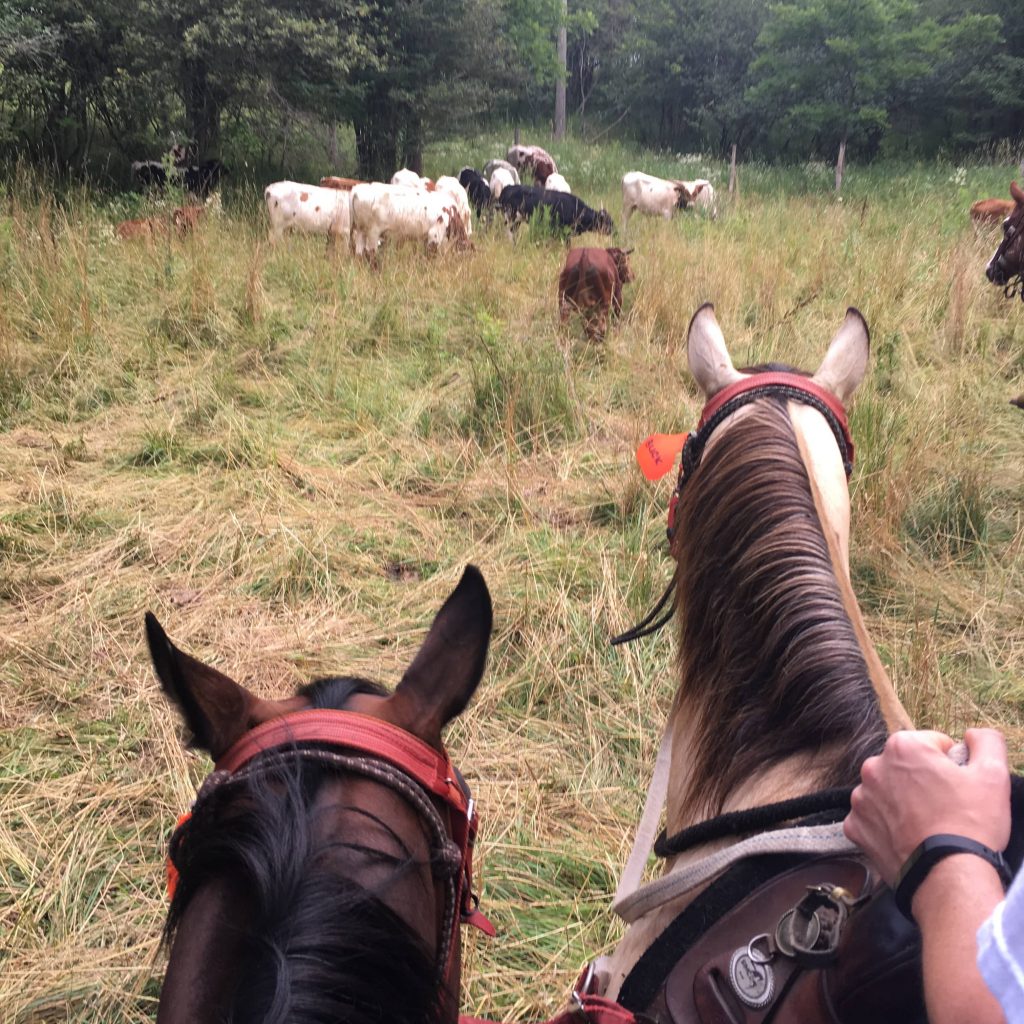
[318, 947]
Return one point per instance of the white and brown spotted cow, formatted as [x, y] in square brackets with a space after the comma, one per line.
[310, 210]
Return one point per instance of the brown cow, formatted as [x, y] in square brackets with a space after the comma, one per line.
[991, 211]
[342, 184]
[184, 218]
[591, 282]
[543, 168]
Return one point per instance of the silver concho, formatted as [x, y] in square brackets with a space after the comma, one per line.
[752, 979]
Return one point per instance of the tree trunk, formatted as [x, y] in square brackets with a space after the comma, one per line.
[412, 155]
[840, 165]
[202, 110]
[562, 67]
[332, 145]
[376, 137]
[734, 181]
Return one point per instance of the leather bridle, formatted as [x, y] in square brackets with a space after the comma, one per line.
[354, 742]
[656, 460]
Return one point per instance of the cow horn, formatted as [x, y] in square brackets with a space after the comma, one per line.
[626, 252]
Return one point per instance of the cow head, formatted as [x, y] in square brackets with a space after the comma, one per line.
[685, 194]
[620, 257]
[603, 222]
[1008, 260]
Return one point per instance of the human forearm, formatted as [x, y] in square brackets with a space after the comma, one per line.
[958, 894]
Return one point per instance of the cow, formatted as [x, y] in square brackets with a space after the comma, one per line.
[492, 165]
[543, 168]
[310, 210]
[556, 183]
[396, 212]
[591, 283]
[501, 178]
[184, 220]
[703, 193]
[659, 197]
[342, 184]
[477, 189]
[410, 179]
[991, 211]
[1006, 268]
[526, 158]
[567, 212]
[446, 183]
[203, 179]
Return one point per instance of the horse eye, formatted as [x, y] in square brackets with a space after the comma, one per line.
[1010, 231]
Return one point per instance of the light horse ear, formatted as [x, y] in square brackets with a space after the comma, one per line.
[1017, 192]
[846, 361]
[217, 711]
[707, 355]
[445, 673]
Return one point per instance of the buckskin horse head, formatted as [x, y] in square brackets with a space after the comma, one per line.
[781, 694]
[326, 865]
[1007, 264]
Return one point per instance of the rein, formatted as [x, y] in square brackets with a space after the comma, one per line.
[655, 462]
[388, 755]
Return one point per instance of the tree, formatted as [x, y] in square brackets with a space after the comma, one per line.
[828, 68]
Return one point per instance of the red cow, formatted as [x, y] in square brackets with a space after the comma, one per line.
[991, 211]
[591, 282]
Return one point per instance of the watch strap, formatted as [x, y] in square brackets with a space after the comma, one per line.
[929, 853]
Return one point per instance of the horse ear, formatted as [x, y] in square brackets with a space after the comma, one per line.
[1017, 192]
[448, 667]
[846, 360]
[706, 353]
[216, 709]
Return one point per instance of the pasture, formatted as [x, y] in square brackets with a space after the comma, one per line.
[289, 458]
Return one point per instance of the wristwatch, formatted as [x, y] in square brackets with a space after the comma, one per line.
[929, 853]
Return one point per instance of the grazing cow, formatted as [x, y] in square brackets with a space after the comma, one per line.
[410, 179]
[310, 210]
[543, 168]
[1006, 268]
[591, 282]
[143, 227]
[343, 184]
[501, 178]
[991, 211]
[149, 173]
[184, 219]
[556, 183]
[658, 197]
[477, 189]
[525, 158]
[398, 212]
[703, 193]
[567, 212]
[452, 186]
[492, 165]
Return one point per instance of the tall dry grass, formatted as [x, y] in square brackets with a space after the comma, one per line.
[289, 459]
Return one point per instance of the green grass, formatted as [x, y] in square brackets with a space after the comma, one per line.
[289, 458]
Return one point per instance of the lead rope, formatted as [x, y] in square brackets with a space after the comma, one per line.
[646, 626]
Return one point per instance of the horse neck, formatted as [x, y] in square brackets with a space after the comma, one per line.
[781, 691]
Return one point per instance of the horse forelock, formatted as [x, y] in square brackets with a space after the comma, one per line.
[770, 664]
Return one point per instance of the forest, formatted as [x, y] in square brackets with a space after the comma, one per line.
[87, 86]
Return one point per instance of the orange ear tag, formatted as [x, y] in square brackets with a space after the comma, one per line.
[657, 455]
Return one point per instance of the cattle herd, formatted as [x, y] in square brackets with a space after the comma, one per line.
[360, 215]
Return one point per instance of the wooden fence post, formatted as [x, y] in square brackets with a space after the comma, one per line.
[840, 165]
[734, 180]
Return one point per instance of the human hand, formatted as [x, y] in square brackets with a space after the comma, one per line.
[913, 790]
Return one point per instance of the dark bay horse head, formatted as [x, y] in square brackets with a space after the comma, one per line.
[1007, 262]
[315, 885]
[780, 692]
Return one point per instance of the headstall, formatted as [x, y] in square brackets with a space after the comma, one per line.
[656, 455]
[354, 742]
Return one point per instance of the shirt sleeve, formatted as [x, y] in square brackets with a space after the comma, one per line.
[1001, 952]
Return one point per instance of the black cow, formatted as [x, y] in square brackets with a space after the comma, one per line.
[477, 188]
[149, 173]
[567, 212]
[203, 179]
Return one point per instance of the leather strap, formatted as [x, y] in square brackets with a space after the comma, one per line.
[431, 769]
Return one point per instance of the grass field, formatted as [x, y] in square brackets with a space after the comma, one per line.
[289, 458]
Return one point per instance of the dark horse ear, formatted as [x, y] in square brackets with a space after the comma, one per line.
[216, 709]
[447, 669]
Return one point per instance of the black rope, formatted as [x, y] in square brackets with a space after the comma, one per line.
[755, 819]
[645, 627]
[1015, 286]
